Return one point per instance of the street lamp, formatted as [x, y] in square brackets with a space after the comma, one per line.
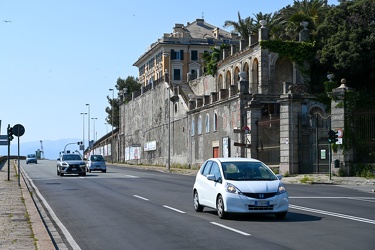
[113, 98]
[93, 134]
[83, 133]
[88, 123]
[166, 78]
[123, 98]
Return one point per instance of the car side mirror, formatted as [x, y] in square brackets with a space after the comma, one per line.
[211, 177]
[279, 176]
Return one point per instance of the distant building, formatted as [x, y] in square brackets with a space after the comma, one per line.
[180, 52]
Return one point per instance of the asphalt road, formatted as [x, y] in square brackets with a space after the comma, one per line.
[129, 208]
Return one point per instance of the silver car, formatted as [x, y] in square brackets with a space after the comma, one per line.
[96, 163]
[31, 158]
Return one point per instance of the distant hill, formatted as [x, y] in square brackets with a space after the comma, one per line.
[51, 148]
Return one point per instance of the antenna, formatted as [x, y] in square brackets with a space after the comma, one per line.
[202, 15]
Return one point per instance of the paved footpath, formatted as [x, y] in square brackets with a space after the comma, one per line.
[21, 226]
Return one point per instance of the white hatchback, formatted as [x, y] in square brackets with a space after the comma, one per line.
[239, 185]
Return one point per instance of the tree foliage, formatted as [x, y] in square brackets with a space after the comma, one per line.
[347, 42]
[131, 85]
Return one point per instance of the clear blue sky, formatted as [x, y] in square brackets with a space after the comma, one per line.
[56, 56]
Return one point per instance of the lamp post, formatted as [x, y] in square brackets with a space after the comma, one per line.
[113, 98]
[83, 133]
[93, 134]
[88, 124]
[123, 95]
[166, 78]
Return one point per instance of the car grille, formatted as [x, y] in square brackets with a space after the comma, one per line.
[256, 208]
[259, 195]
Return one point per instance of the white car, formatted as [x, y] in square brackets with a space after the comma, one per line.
[239, 185]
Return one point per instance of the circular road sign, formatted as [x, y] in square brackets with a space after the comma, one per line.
[18, 130]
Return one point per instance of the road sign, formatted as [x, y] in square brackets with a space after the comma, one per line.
[3, 140]
[18, 130]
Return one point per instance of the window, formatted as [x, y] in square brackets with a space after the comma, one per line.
[177, 55]
[206, 169]
[177, 74]
[194, 55]
[215, 170]
[207, 123]
[215, 122]
[192, 127]
[199, 125]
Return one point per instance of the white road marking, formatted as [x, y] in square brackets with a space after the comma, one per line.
[344, 216]
[131, 176]
[140, 197]
[330, 197]
[65, 231]
[230, 228]
[174, 209]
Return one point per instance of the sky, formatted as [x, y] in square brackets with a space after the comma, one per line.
[58, 56]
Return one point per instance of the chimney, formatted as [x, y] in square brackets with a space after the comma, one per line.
[216, 33]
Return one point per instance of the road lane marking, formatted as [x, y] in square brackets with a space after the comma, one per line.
[140, 197]
[63, 229]
[230, 228]
[328, 197]
[344, 216]
[131, 176]
[174, 209]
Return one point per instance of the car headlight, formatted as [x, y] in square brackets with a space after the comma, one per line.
[230, 188]
[281, 189]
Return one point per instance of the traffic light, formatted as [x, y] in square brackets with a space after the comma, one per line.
[10, 133]
[332, 136]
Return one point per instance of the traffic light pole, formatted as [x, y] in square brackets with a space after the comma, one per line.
[330, 161]
[8, 160]
[9, 139]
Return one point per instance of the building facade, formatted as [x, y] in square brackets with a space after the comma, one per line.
[256, 105]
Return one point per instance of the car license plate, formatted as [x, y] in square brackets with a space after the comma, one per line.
[261, 203]
[73, 169]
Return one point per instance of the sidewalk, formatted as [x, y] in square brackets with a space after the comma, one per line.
[21, 226]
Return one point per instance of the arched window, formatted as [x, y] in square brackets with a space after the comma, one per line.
[207, 123]
[220, 81]
[255, 79]
[199, 125]
[228, 79]
[236, 76]
[192, 127]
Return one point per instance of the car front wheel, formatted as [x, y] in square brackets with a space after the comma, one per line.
[220, 208]
[197, 206]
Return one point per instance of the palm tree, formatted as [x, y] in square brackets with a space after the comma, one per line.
[244, 27]
[288, 19]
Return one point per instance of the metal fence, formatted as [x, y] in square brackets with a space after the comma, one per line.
[363, 134]
[269, 140]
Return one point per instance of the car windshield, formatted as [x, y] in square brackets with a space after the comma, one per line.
[30, 156]
[245, 171]
[71, 157]
[96, 158]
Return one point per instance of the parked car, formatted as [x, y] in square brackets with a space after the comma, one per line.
[70, 163]
[96, 163]
[239, 185]
[31, 158]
